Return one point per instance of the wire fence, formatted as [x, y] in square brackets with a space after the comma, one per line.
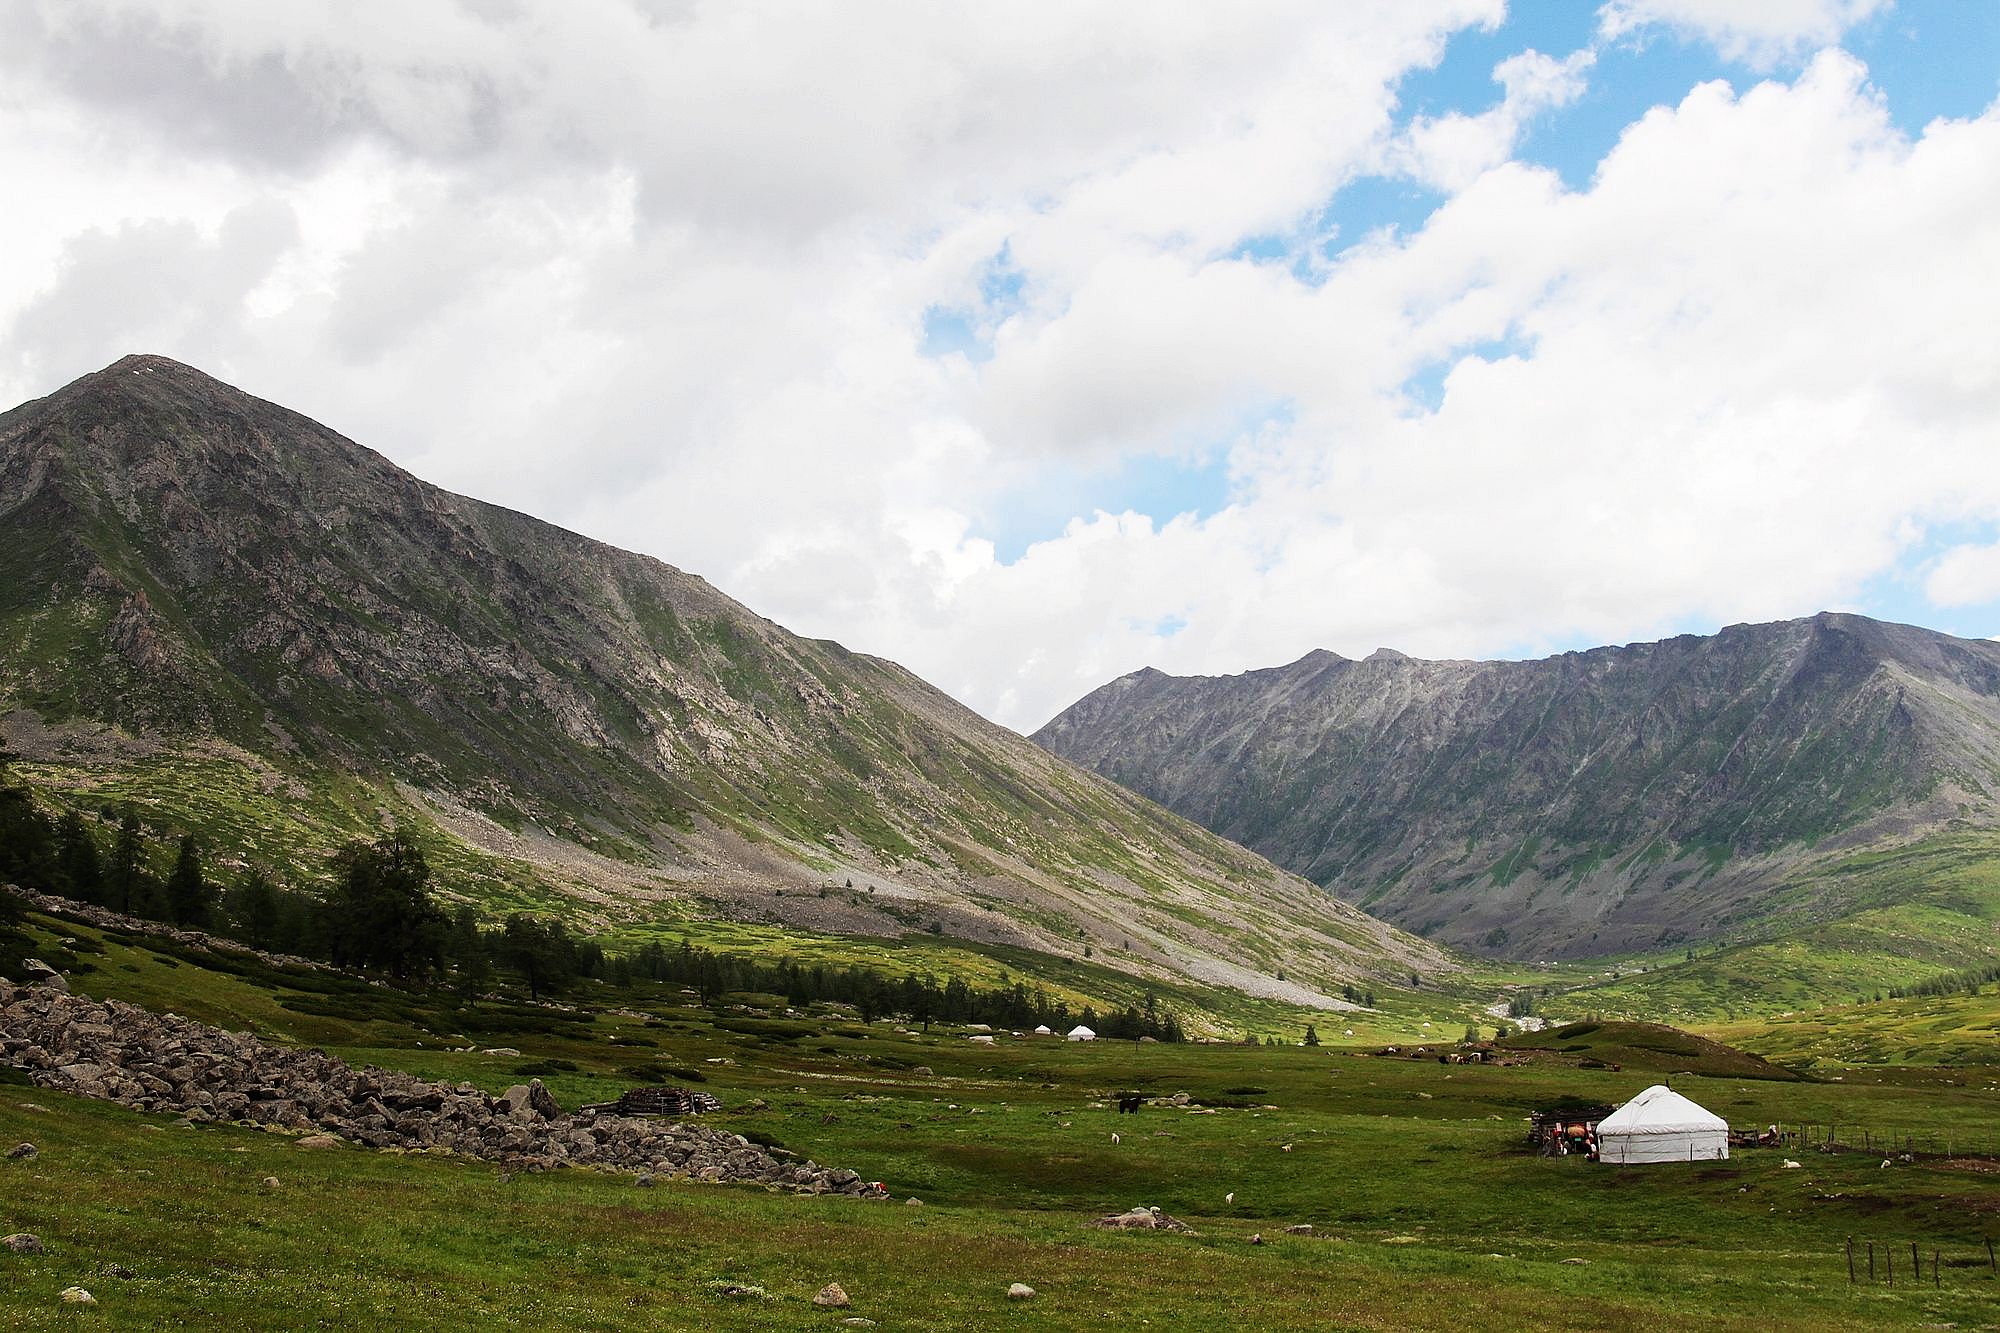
[1911, 1144]
[1871, 1261]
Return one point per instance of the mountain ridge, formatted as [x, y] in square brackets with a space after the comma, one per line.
[1595, 801]
[195, 567]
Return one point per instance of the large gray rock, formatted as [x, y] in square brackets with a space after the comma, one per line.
[40, 973]
[529, 1099]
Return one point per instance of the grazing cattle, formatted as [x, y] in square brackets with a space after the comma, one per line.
[1130, 1102]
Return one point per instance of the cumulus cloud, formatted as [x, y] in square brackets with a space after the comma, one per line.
[666, 276]
[1761, 34]
[1450, 151]
[1965, 576]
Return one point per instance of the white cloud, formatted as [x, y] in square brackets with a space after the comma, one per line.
[1450, 151]
[1965, 576]
[664, 279]
[1761, 33]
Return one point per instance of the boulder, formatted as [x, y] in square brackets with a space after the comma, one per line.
[41, 974]
[832, 1297]
[77, 1296]
[22, 1242]
[23, 1152]
[1020, 1291]
[528, 1100]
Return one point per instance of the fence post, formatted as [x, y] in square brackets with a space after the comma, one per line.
[1937, 1275]
[1871, 1261]
[1992, 1266]
[1850, 1261]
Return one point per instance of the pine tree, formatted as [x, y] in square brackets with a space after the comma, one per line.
[380, 913]
[466, 951]
[123, 880]
[1312, 1036]
[188, 892]
[254, 906]
[76, 851]
[543, 953]
[27, 840]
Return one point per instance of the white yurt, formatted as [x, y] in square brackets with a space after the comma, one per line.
[1081, 1033]
[1660, 1125]
[1044, 1031]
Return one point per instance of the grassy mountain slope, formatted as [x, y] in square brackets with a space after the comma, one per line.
[1588, 804]
[266, 631]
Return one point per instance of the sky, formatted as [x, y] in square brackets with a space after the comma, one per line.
[1029, 344]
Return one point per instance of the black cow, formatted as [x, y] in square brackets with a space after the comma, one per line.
[1130, 1102]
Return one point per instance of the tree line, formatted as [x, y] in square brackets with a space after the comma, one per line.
[380, 914]
[1965, 981]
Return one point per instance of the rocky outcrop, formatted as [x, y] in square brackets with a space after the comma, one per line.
[165, 1063]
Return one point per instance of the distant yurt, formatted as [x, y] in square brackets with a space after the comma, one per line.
[1081, 1033]
[1044, 1031]
[1660, 1125]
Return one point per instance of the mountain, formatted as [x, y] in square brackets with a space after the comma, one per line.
[1618, 799]
[253, 626]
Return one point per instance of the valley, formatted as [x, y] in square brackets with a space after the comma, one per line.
[1427, 1209]
[656, 841]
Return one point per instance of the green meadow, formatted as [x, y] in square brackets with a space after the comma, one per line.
[1427, 1209]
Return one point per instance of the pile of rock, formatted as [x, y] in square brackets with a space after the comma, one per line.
[122, 1053]
[1142, 1219]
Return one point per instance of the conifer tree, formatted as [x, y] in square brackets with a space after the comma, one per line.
[380, 913]
[253, 904]
[124, 877]
[188, 892]
[76, 852]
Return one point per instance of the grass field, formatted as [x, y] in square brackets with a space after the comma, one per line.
[1866, 924]
[1428, 1213]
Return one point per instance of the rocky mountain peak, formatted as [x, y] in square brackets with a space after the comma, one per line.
[1582, 803]
[216, 574]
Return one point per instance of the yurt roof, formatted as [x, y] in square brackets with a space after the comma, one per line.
[1660, 1110]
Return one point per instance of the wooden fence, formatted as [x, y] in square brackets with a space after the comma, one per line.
[1875, 1261]
[1888, 1142]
